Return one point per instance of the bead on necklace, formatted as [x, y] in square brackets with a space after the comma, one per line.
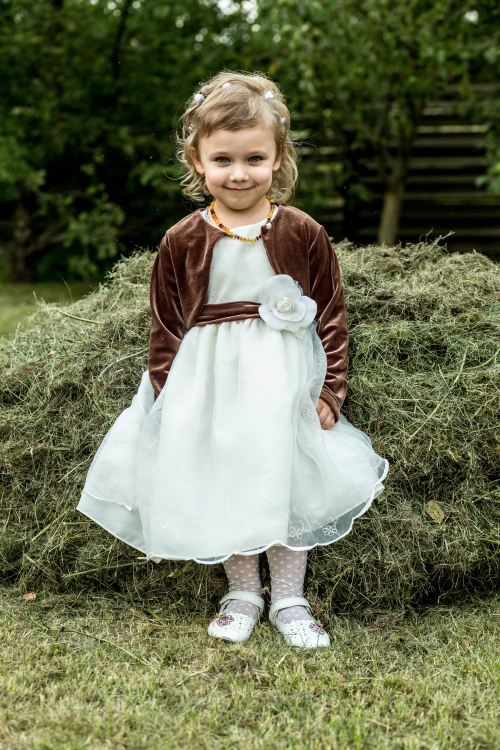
[237, 236]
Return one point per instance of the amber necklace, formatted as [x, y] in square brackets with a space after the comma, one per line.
[238, 236]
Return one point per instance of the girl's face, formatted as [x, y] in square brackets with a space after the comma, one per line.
[238, 165]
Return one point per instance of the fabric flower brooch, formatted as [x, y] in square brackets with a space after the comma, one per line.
[283, 306]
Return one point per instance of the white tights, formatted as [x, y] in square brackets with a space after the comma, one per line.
[287, 569]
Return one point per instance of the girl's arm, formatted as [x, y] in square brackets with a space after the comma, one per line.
[326, 290]
[167, 326]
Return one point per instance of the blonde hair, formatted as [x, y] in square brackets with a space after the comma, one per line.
[233, 101]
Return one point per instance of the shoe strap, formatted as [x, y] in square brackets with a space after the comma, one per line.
[244, 596]
[292, 601]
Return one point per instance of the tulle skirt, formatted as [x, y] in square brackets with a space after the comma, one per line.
[231, 458]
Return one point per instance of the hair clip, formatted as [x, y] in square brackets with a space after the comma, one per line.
[198, 98]
[225, 85]
[190, 126]
[282, 120]
[268, 95]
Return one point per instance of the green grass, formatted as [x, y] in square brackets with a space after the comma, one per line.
[17, 301]
[102, 672]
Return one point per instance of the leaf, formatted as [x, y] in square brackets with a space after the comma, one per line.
[29, 597]
[434, 511]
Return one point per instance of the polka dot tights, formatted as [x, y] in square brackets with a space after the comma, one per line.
[288, 569]
[243, 575]
[287, 579]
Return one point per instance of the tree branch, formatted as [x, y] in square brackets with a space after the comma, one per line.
[51, 236]
[115, 55]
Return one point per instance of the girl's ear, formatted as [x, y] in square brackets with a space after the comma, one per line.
[277, 163]
[197, 163]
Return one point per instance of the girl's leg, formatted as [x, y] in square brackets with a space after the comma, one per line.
[288, 569]
[243, 575]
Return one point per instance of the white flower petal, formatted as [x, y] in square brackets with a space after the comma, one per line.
[296, 314]
[311, 310]
[278, 292]
[271, 320]
[278, 286]
[275, 298]
[285, 305]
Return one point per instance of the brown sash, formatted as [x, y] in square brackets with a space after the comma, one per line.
[226, 312]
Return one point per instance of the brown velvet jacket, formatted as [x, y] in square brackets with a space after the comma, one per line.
[296, 245]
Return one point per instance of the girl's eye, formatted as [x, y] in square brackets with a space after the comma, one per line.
[222, 159]
[255, 159]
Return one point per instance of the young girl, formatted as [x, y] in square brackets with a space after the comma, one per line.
[234, 444]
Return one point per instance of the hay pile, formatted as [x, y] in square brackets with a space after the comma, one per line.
[424, 383]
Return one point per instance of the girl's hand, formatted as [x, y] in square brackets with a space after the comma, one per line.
[325, 414]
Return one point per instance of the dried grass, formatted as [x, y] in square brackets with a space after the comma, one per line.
[424, 384]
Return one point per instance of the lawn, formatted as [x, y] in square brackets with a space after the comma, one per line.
[17, 301]
[81, 671]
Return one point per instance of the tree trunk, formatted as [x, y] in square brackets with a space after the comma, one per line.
[391, 213]
[395, 182]
[393, 170]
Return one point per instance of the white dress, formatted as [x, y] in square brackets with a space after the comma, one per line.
[231, 457]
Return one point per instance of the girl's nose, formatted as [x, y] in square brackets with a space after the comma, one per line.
[239, 173]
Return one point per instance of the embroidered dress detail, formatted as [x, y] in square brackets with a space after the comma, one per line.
[231, 458]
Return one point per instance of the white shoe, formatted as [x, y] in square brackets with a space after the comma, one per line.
[232, 626]
[300, 633]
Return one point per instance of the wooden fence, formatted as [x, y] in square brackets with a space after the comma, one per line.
[442, 194]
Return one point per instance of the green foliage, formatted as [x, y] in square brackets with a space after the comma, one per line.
[90, 95]
[360, 72]
[91, 92]
[492, 176]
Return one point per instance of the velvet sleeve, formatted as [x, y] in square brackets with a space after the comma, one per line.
[167, 325]
[326, 290]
